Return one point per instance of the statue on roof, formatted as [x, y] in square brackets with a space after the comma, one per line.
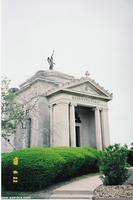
[51, 61]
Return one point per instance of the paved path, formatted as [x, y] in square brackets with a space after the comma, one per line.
[80, 189]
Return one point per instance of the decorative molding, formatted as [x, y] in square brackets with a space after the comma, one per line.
[94, 102]
[76, 82]
[86, 94]
[73, 104]
[24, 86]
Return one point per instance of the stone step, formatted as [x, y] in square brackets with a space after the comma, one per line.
[71, 194]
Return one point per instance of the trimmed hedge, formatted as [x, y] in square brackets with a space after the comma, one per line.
[130, 157]
[41, 167]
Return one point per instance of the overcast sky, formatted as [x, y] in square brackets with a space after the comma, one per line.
[93, 35]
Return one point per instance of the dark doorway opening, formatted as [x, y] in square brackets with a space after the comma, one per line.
[77, 136]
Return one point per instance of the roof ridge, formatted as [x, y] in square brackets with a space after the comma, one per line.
[45, 74]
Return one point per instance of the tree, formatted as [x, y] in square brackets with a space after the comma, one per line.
[12, 113]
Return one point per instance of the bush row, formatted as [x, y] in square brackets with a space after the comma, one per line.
[130, 157]
[40, 167]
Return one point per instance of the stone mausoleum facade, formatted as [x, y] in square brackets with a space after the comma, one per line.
[63, 111]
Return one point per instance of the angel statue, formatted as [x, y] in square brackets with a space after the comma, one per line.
[51, 62]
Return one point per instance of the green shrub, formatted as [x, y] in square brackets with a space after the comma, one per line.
[130, 157]
[40, 167]
[113, 165]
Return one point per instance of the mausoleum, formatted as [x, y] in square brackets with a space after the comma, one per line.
[63, 111]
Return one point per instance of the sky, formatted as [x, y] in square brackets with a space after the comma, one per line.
[93, 35]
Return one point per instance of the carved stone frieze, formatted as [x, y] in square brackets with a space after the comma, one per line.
[93, 102]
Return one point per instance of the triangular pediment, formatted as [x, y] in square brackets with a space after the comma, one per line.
[83, 86]
[88, 88]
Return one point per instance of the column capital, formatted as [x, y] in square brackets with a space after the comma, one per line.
[72, 104]
[106, 109]
[95, 108]
[52, 105]
[99, 108]
[62, 102]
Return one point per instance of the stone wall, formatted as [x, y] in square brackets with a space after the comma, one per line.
[36, 89]
[5, 146]
[38, 112]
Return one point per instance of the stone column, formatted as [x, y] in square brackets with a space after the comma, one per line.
[18, 137]
[105, 127]
[51, 125]
[98, 129]
[60, 124]
[72, 125]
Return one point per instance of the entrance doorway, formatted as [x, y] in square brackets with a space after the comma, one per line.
[85, 127]
[77, 136]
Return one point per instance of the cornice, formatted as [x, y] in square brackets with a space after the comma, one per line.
[28, 85]
[78, 82]
[81, 94]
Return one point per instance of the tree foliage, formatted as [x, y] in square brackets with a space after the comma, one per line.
[12, 112]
